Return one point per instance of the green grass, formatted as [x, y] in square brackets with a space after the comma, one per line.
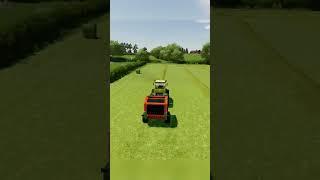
[133, 140]
[156, 60]
[53, 121]
[193, 58]
[267, 94]
[160, 169]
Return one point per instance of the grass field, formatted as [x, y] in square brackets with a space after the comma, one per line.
[193, 58]
[53, 111]
[266, 83]
[189, 142]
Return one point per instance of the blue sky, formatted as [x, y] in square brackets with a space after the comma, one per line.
[150, 23]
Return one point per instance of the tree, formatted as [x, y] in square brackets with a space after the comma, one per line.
[117, 48]
[156, 51]
[145, 49]
[165, 54]
[176, 56]
[135, 48]
[130, 48]
[187, 51]
[142, 55]
[172, 52]
[206, 52]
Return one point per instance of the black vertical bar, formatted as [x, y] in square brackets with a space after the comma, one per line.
[106, 170]
[212, 95]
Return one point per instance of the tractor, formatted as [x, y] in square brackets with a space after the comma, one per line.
[160, 88]
[156, 108]
[157, 103]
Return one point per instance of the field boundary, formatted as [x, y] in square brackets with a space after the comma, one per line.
[122, 71]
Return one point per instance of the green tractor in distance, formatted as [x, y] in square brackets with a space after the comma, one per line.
[160, 88]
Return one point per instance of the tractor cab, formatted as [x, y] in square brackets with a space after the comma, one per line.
[160, 84]
[160, 88]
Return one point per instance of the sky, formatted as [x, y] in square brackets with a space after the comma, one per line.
[152, 23]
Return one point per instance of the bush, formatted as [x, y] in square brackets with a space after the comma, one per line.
[117, 48]
[121, 71]
[171, 52]
[205, 53]
[142, 55]
[156, 51]
[118, 59]
[44, 27]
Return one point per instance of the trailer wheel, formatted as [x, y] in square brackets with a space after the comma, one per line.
[173, 121]
[168, 118]
[144, 119]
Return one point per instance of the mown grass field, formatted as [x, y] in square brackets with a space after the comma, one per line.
[53, 111]
[267, 94]
[186, 145]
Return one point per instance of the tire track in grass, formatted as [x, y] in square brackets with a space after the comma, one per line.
[279, 56]
[203, 87]
[165, 71]
[201, 72]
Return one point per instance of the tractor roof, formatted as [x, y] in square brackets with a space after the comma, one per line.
[160, 81]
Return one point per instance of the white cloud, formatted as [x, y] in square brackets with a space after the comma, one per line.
[204, 21]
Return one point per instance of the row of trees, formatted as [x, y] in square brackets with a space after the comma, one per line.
[122, 48]
[172, 52]
[314, 4]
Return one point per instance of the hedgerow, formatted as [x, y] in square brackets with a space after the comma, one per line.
[121, 71]
[44, 27]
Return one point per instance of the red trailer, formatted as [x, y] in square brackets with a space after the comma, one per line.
[156, 108]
